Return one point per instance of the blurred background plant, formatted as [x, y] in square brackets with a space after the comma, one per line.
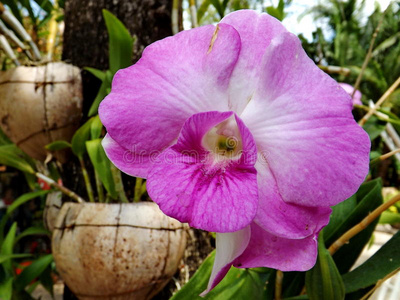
[363, 51]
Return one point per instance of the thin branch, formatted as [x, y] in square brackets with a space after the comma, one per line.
[369, 53]
[335, 70]
[380, 102]
[362, 225]
[278, 285]
[61, 188]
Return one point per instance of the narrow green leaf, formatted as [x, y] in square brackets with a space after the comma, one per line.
[96, 72]
[389, 217]
[80, 137]
[202, 9]
[369, 197]
[96, 128]
[32, 271]
[218, 7]
[3, 258]
[7, 249]
[58, 145]
[32, 231]
[102, 165]
[120, 43]
[383, 262]
[25, 198]
[340, 213]
[12, 156]
[102, 93]
[323, 281]
[6, 289]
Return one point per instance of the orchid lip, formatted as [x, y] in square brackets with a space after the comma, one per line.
[224, 141]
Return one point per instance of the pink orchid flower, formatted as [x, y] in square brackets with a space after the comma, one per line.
[349, 90]
[238, 132]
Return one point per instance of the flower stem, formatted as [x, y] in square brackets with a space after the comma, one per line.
[61, 188]
[278, 285]
[99, 187]
[87, 181]
[119, 186]
[362, 225]
[138, 189]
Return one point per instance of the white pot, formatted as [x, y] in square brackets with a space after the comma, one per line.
[39, 105]
[116, 251]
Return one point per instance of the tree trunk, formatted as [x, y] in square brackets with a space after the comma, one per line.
[86, 39]
[85, 36]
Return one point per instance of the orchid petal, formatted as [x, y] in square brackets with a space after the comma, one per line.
[127, 161]
[303, 125]
[175, 78]
[191, 188]
[256, 32]
[285, 219]
[267, 250]
[228, 247]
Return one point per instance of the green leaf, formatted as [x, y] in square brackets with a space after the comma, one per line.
[102, 165]
[96, 128]
[237, 284]
[18, 202]
[218, 7]
[202, 9]
[3, 258]
[383, 262]
[388, 217]
[6, 289]
[323, 281]
[96, 72]
[102, 93]
[33, 231]
[46, 5]
[12, 156]
[58, 145]
[273, 11]
[369, 197]
[25, 198]
[7, 248]
[33, 271]
[340, 213]
[80, 137]
[374, 127]
[120, 43]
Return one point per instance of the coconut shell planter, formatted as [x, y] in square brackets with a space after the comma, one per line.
[39, 105]
[116, 251]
